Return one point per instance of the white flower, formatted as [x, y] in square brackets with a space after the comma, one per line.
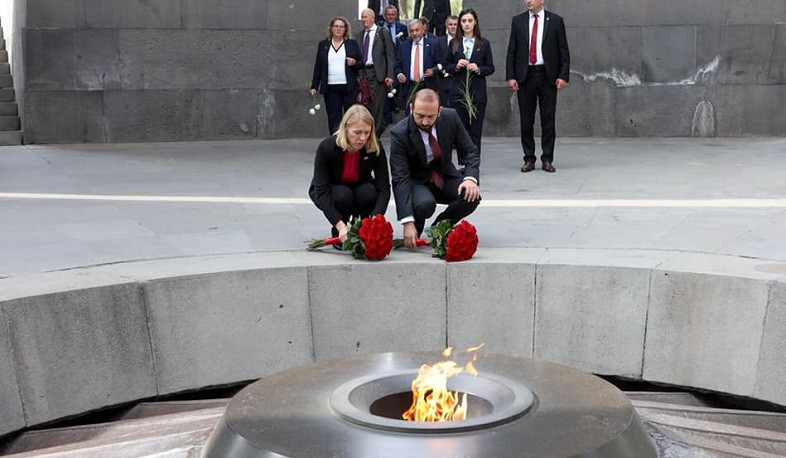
[398, 35]
[439, 67]
[393, 91]
[312, 112]
[390, 95]
[446, 74]
[317, 107]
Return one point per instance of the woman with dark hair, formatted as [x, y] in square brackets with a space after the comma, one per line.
[469, 60]
[335, 71]
[350, 173]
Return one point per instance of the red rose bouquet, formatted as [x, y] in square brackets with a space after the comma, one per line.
[451, 243]
[369, 238]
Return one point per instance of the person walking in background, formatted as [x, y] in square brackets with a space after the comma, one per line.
[470, 62]
[416, 60]
[443, 81]
[335, 71]
[350, 173]
[422, 171]
[537, 67]
[379, 8]
[378, 56]
[436, 11]
[398, 31]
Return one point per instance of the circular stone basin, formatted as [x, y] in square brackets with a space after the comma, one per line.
[349, 407]
[377, 401]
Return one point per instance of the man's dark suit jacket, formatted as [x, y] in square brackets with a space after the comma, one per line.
[320, 78]
[430, 59]
[556, 56]
[328, 166]
[436, 11]
[400, 28]
[383, 52]
[481, 55]
[408, 162]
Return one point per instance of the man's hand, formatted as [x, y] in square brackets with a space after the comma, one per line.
[410, 235]
[471, 190]
[513, 85]
[401, 78]
[561, 84]
[312, 92]
[428, 73]
[343, 230]
[388, 82]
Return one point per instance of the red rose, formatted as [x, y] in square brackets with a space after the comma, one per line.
[462, 242]
[377, 236]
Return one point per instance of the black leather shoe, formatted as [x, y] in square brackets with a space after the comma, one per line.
[547, 166]
[528, 167]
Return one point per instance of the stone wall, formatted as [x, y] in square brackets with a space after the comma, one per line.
[132, 70]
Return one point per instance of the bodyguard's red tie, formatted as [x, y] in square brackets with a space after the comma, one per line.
[436, 151]
[533, 43]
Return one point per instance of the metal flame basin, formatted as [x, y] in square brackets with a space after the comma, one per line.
[349, 407]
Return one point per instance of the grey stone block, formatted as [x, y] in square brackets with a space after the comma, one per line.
[290, 16]
[50, 59]
[293, 106]
[756, 12]
[592, 318]
[705, 330]
[224, 14]
[230, 114]
[643, 111]
[668, 53]
[66, 14]
[614, 13]
[745, 52]
[225, 327]
[778, 59]
[97, 59]
[491, 303]
[12, 417]
[585, 109]
[771, 370]
[45, 120]
[596, 53]
[496, 16]
[132, 14]
[80, 350]
[749, 109]
[9, 123]
[396, 315]
[153, 115]
[6, 81]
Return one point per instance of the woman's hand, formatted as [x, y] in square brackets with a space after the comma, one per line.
[473, 67]
[351, 62]
[312, 92]
[343, 230]
[462, 63]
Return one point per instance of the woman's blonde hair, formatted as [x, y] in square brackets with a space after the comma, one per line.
[354, 114]
[347, 27]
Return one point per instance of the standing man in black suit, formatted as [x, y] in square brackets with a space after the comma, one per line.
[377, 56]
[416, 61]
[538, 65]
[378, 6]
[451, 25]
[436, 11]
[422, 168]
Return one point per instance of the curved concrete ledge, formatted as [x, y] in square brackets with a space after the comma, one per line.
[78, 340]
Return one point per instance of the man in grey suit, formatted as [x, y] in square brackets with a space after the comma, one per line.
[378, 56]
[422, 168]
[436, 11]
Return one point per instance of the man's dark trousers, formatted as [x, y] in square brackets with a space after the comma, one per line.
[537, 87]
[426, 196]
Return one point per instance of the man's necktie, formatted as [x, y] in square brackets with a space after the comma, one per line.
[436, 151]
[364, 51]
[533, 43]
[416, 64]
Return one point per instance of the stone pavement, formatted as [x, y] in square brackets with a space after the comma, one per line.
[69, 206]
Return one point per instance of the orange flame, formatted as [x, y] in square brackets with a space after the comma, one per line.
[431, 399]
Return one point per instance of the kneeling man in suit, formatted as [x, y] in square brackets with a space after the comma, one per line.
[422, 168]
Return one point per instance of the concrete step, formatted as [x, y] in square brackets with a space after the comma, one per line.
[3, 55]
[2, 43]
[9, 123]
[8, 109]
[7, 95]
[677, 398]
[153, 409]
[5, 68]
[10, 137]
[139, 437]
[768, 421]
[6, 81]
